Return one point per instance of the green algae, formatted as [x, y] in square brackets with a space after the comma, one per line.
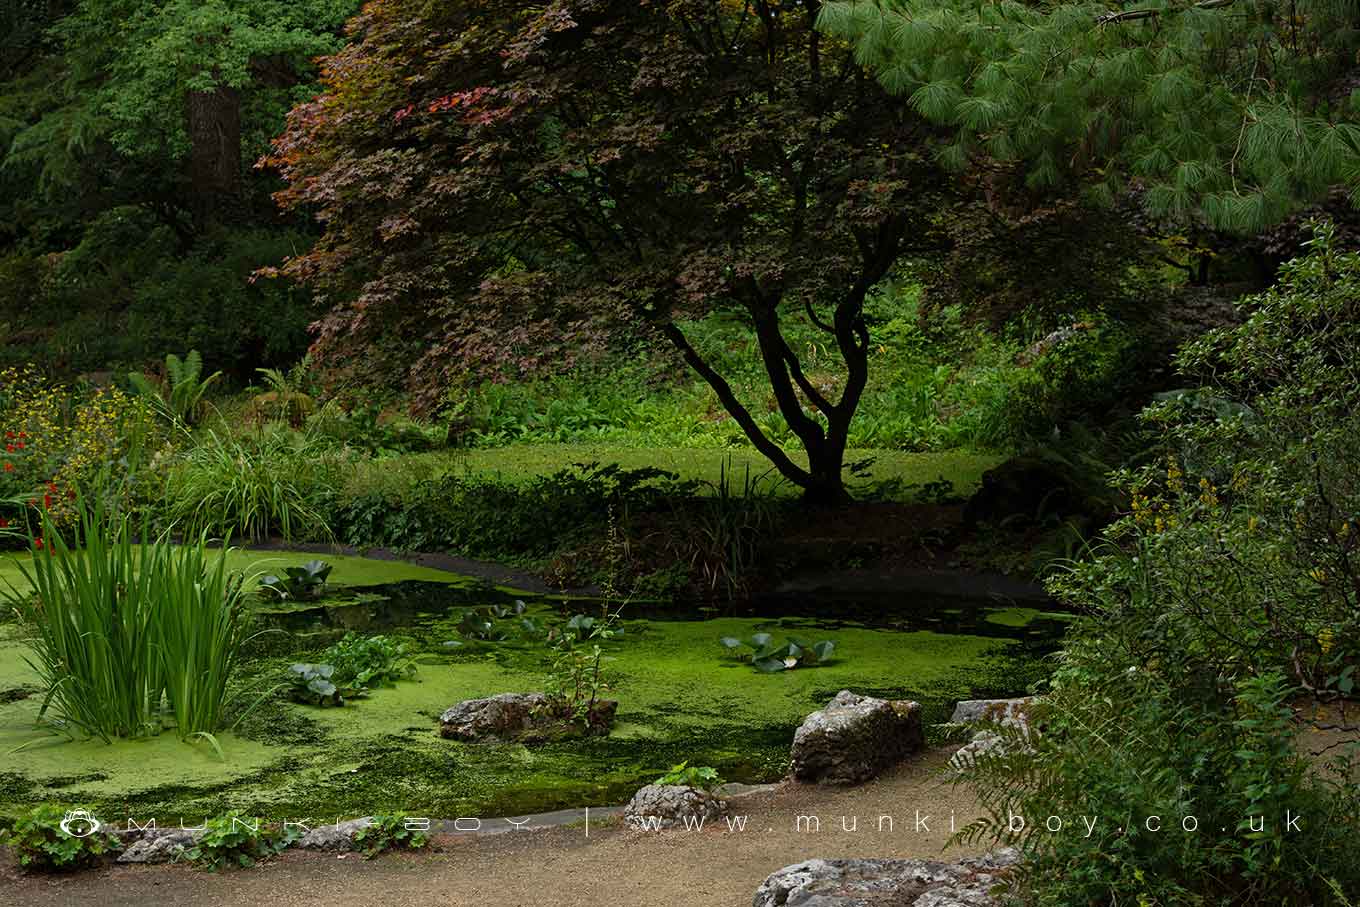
[681, 697]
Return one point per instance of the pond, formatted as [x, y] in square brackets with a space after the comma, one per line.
[682, 697]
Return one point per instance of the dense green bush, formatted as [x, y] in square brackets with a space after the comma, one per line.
[1225, 595]
[40, 843]
[935, 382]
[482, 515]
[252, 487]
[138, 293]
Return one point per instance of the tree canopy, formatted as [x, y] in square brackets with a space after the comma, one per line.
[1227, 112]
[495, 177]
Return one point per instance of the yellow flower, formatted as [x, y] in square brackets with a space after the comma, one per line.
[1324, 639]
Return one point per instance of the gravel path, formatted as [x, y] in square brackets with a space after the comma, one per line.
[562, 867]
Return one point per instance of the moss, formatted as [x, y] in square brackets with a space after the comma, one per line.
[681, 697]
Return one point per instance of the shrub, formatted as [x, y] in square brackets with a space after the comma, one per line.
[491, 516]
[1189, 792]
[252, 488]
[1226, 593]
[39, 841]
[383, 833]
[178, 394]
[59, 441]
[237, 840]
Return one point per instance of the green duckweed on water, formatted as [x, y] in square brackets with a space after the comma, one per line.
[681, 697]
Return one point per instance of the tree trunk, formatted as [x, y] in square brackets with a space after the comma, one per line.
[215, 155]
[826, 462]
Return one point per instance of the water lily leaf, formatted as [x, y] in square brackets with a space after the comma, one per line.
[322, 687]
[769, 665]
[824, 649]
[730, 642]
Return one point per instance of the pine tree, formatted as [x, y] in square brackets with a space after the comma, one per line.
[1231, 113]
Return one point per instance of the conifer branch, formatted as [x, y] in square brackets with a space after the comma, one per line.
[1133, 15]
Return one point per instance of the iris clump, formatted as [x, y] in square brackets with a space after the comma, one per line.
[130, 634]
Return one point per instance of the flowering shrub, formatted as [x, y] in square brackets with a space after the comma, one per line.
[58, 440]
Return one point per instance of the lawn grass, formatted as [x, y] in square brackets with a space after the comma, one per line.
[347, 570]
[963, 469]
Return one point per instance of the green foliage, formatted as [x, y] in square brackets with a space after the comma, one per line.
[1225, 113]
[286, 400]
[365, 428]
[384, 833]
[179, 395]
[1189, 788]
[487, 515]
[350, 669]
[251, 487]
[40, 843]
[1216, 606]
[495, 623]
[367, 662]
[131, 637]
[312, 684]
[297, 583]
[685, 775]
[1246, 525]
[770, 658]
[237, 840]
[576, 678]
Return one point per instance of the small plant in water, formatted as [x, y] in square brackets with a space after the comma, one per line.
[576, 680]
[389, 833]
[312, 684]
[702, 777]
[770, 658]
[493, 623]
[367, 662]
[41, 843]
[297, 583]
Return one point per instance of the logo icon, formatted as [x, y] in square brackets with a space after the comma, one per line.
[79, 823]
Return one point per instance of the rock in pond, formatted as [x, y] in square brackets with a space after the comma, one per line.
[659, 806]
[899, 883]
[519, 717]
[855, 737]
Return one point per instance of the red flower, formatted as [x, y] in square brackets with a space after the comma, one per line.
[4, 523]
[52, 487]
[9, 447]
[21, 443]
[47, 501]
[9, 467]
[9, 434]
[37, 543]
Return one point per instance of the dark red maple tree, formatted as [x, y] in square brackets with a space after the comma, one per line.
[500, 181]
